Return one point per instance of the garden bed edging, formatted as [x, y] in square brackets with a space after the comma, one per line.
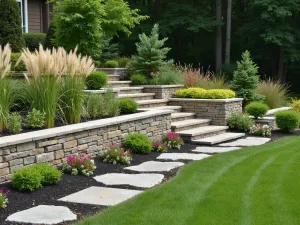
[218, 110]
[162, 91]
[55, 144]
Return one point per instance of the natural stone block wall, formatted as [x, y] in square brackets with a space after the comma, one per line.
[113, 71]
[162, 91]
[218, 110]
[54, 145]
[270, 121]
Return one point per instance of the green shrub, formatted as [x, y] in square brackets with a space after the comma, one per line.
[27, 179]
[123, 61]
[97, 63]
[138, 143]
[93, 104]
[138, 79]
[200, 93]
[257, 109]
[245, 78]
[109, 49]
[49, 39]
[170, 77]
[33, 40]
[96, 80]
[287, 120]
[50, 174]
[35, 119]
[14, 59]
[10, 25]
[213, 82]
[240, 121]
[295, 104]
[112, 64]
[128, 105]
[14, 123]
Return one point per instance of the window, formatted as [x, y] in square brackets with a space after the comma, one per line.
[24, 14]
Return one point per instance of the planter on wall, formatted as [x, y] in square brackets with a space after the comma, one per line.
[162, 91]
[218, 110]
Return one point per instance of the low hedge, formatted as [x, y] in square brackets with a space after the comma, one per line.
[33, 40]
[200, 93]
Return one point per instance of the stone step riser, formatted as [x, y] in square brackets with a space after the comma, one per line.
[141, 98]
[153, 105]
[118, 85]
[183, 118]
[189, 127]
[113, 78]
[130, 91]
[190, 139]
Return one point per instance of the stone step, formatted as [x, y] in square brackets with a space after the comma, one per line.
[167, 107]
[116, 84]
[218, 138]
[152, 103]
[130, 90]
[113, 77]
[138, 96]
[189, 124]
[180, 116]
[201, 132]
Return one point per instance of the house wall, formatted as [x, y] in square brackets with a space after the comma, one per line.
[39, 15]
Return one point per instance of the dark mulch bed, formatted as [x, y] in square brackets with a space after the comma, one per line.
[71, 184]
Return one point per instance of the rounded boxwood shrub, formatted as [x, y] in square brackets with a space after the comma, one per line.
[287, 120]
[96, 80]
[257, 109]
[138, 79]
[138, 143]
[27, 179]
[111, 64]
[128, 105]
[240, 121]
[50, 174]
[33, 40]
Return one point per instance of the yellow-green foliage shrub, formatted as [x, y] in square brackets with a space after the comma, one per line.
[295, 104]
[200, 93]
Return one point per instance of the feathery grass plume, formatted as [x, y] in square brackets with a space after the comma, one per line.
[5, 64]
[276, 94]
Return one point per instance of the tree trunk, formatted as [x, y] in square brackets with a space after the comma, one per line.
[280, 72]
[156, 10]
[219, 35]
[228, 32]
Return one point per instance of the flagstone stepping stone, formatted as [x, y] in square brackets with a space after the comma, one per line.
[137, 180]
[154, 166]
[249, 141]
[100, 196]
[43, 214]
[213, 150]
[182, 156]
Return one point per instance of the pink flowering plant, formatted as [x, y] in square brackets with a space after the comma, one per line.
[3, 198]
[261, 130]
[158, 146]
[172, 140]
[116, 154]
[79, 164]
[155, 77]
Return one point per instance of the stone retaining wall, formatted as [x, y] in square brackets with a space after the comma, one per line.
[218, 110]
[113, 71]
[162, 91]
[53, 145]
[270, 121]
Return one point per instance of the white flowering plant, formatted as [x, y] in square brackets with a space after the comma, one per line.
[115, 154]
[79, 164]
[261, 130]
[3, 198]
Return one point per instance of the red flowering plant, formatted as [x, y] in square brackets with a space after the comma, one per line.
[79, 164]
[3, 198]
[116, 154]
[155, 78]
[158, 146]
[172, 140]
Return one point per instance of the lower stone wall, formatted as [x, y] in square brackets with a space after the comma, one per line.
[162, 91]
[270, 121]
[218, 110]
[54, 145]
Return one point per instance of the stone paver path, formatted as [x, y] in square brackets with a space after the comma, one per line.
[154, 166]
[43, 214]
[214, 150]
[182, 156]
[100, 196]
[249, 141]
[137, 180]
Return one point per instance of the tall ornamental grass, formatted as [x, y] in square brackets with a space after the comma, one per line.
[276, 94]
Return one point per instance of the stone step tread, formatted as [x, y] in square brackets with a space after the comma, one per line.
[181, 115]
[186, 123]
[135, 95]
[202, 130]
[120, 82]
[151, 101]
[168, 107]
[219, 138]
[128, 88]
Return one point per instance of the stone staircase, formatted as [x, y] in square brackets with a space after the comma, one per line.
[190, 128]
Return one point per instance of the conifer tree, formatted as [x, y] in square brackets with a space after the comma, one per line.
[151, 53]
[245, 78]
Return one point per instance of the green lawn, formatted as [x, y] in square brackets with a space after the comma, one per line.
[254, 186]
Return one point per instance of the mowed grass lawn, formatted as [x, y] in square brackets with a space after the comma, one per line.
[253, 186]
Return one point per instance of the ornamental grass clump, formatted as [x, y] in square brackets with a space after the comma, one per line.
[3, 198]
[261, 130]
[79, 164]
[115, 154]
[172, 140]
